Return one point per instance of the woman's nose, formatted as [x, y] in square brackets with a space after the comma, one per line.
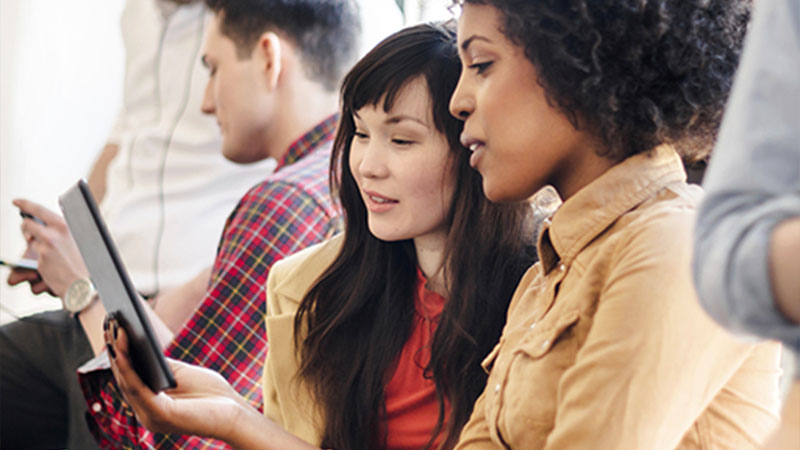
[461, 103]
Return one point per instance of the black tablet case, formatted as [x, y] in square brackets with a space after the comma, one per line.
[112, 282]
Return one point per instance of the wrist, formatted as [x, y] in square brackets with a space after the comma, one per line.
[91, 319]
[242, 417]
[79, 295]
[255, 431]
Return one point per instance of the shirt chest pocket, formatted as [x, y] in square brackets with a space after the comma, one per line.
[530, 388]
[545, 337]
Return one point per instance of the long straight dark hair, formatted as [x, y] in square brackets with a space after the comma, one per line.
[356, 318]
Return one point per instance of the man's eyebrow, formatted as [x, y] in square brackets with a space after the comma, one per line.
[467, 42]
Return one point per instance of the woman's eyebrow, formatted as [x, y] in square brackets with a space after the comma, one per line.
[475, 37]
[404, 117]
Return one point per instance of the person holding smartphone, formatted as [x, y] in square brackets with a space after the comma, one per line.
[166, 190]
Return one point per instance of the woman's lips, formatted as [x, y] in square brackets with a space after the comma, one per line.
[378, 203]
[476, 149]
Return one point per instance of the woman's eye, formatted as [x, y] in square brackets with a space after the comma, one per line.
[402, 142]
[480, 68]
[360, 135]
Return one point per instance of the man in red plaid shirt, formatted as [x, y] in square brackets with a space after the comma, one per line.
[274, 69]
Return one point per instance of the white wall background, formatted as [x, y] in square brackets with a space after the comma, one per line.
[61, 69]
[60, 85]
[425, 10]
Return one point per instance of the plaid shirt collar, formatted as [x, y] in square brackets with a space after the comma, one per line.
[323, 132]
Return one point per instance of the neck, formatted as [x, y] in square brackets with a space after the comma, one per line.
[582, 170]
[303, 106]
[430, 256]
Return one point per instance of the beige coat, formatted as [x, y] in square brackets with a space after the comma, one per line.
[605, 345]
[286, 401]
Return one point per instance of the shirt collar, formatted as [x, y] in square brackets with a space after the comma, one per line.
[323, 132]
[428, 303]
[597, 205]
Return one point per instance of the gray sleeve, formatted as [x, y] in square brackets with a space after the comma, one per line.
[753, 180]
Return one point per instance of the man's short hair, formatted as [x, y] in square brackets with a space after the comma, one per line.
[326, 32]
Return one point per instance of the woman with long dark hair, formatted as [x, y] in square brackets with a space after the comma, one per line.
[376, 337]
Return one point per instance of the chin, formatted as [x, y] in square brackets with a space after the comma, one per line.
[386, 236]
[237, 157]
[230, 154]
[501, 191]
[495, 193]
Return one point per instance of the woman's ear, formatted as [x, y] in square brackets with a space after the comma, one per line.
[269, 50]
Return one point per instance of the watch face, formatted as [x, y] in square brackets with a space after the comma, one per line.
[78, 295]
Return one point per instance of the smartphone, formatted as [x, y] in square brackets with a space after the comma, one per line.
[22, 263]
[32, 217]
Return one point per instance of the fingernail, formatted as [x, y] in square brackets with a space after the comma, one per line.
[111, 351]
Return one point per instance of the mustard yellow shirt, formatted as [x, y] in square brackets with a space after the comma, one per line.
[605, 345]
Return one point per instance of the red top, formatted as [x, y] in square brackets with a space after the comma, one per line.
[411, 406]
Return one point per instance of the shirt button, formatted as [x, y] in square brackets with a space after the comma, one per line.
[497, 387]
[545, 343]
[96, 407]
[562, 267]
[533, 325]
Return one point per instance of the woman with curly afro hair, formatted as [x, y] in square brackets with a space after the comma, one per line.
[605, 345]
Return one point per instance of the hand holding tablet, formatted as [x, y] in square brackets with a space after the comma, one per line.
[111, 280]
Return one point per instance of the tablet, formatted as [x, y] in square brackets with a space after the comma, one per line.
[112, 282]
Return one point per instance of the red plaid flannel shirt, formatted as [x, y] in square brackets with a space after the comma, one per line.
[289, 211]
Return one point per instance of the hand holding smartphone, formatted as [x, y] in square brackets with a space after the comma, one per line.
[32, 217]
[23, 263]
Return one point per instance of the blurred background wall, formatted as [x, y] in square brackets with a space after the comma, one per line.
[60, 86]
[61, 70]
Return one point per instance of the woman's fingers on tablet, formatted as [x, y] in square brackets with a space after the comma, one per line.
[117, 345]
[120, 357]
[203, 403]
[154, 411]
[136, 393]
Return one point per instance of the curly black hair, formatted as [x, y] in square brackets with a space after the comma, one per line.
[636, 73]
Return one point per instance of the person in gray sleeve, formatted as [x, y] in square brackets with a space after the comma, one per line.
[746, 263]
[747, 243]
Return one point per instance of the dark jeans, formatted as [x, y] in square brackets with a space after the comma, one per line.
[41, 403]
